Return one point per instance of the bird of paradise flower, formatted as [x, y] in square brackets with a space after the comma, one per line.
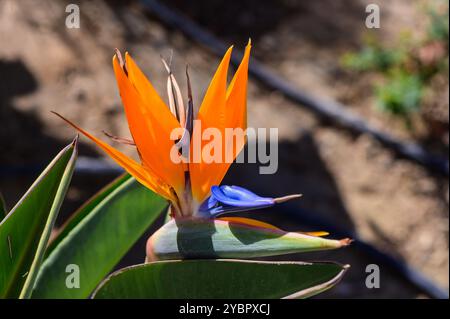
[192, 188]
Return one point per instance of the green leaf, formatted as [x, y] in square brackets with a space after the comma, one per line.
[211, 239]
[25, 231]
[401, 94]
[99, 240]
[85, 209]
[191, 279]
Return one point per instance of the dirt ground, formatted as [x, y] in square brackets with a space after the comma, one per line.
[359, 185]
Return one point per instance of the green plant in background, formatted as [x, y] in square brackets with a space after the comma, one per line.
[373, 57]
[197, 253]
[401, 94]
[406, 68]
[439, 20]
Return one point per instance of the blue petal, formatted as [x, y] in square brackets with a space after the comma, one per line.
[240, 193]
[228, 199]
[208, 204]
[235, 197]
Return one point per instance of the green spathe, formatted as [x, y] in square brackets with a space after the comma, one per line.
[204, 238]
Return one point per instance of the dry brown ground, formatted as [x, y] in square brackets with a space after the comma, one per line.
[392, 203]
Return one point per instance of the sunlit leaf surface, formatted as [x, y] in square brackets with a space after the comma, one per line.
[192, 279]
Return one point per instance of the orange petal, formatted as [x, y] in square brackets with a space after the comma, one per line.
[150, 124]
[148, 94]
[231, 114]
[144, 176]
[315, 233]
[237, 94]
[236, 114]
[212, 114]
[212, 109]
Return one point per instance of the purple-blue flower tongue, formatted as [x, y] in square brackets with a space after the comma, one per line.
[229, 199]
[239, 197]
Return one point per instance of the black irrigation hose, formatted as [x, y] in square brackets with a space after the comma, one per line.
[83, 166]
[327, 109]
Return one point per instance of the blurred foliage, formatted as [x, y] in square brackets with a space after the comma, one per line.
[438, 28]
[407, 68]
[373, 57]
[401, 94]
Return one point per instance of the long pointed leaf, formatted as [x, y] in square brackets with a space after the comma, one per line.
[99, 240]
[24, 232]
[84, 210]
[191, 279]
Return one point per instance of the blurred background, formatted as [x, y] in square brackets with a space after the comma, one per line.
[394, 78]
